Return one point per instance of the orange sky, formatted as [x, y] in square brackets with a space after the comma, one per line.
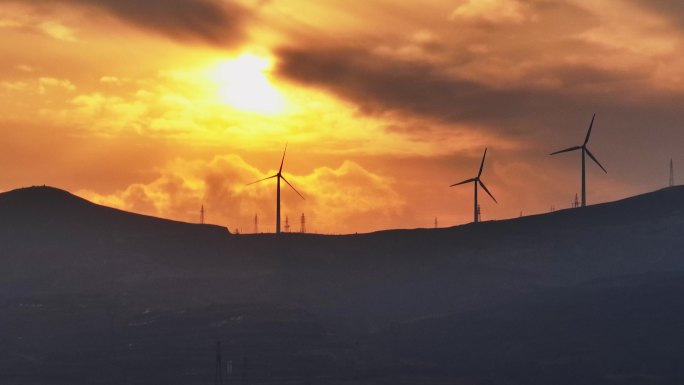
[160, 107]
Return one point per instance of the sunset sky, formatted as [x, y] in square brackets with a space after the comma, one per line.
[158, 107]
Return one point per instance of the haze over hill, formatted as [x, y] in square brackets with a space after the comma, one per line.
[590, 293]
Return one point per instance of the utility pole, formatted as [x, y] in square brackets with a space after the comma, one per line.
[245, 371]
[218, 376]
[395, 333]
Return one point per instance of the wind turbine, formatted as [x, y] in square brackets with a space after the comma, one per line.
[585, 151]
[279, 176]
[477, 181]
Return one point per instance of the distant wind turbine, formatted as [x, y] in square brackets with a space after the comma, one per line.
[585, 151]
[279, 176]
[477, 181]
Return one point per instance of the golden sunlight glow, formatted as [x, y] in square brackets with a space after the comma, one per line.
[243, 83]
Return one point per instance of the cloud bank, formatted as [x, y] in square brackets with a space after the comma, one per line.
[341, 199]
[210, 21]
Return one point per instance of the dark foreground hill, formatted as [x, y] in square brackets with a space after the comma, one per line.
[94, 295]
[54, 214]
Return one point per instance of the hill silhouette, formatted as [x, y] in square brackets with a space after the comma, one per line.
[590, 293]
[51, 210]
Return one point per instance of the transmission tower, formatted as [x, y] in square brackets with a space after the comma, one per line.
[287, 224]
[672, 182]
[218, 376]
[575, 203]
[202, 215]
[256, 224]
[302, 228]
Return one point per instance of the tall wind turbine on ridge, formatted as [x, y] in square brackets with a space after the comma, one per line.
[279, 176]
[477, 181]
[585, 151]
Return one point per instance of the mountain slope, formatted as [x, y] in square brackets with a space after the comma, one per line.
[511, 302]
[50, 210]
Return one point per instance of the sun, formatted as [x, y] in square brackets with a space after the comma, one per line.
[243, 83]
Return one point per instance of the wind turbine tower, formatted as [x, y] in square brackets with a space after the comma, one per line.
[302, 228]
[256, 224]
[585, 151]
[672, 183]
[202, 215]
[279, 176]
[477, 181]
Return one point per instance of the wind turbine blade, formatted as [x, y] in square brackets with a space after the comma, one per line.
[283, 160]
[485, 188]
[482, 164]
[464, 182]
[295, 190]
[261, 180]
[586, 140]
[595, 160]
[567, 150]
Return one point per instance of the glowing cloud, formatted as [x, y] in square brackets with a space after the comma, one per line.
[344, 199]
[243, 83]
[490, 10]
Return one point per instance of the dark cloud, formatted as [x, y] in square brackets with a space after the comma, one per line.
[670, 9]
[211, 21]
[545, 119]
[500, 75]
[379, 84]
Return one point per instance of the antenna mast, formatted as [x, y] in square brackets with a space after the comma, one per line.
[302, 228]
[671, 173]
